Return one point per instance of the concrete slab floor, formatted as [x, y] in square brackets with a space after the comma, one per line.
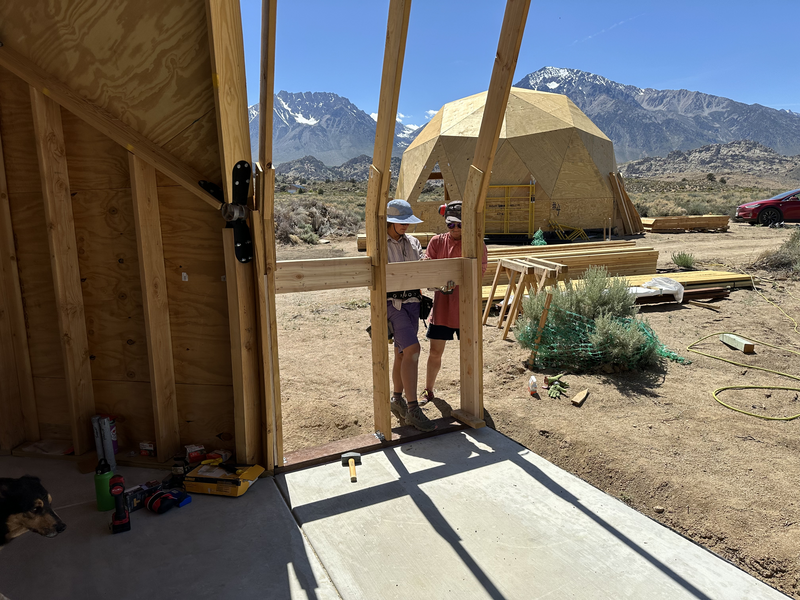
[215, 547]
[472, 514]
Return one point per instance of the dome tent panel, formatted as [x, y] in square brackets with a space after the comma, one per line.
[544, 154]
[430, 131]
[415, 169]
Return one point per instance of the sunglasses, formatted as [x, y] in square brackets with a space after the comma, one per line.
[453, 225]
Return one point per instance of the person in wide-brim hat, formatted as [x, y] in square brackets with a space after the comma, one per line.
[402, 310]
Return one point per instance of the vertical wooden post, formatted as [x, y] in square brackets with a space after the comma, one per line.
[66, 270]
[18, 416]
[155, 302]
[263, 223]
[474, 200]
[230, 97]
[377, 198]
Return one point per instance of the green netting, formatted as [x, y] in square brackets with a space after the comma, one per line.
[572, 341]
[538, 238]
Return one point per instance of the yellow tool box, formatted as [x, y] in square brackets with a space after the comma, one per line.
[229, 481]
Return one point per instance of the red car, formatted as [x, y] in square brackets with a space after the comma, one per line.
[783, 207]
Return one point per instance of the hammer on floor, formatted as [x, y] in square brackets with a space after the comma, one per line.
[351, 459]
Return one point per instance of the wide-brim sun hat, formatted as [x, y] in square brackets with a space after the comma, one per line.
[400, 211]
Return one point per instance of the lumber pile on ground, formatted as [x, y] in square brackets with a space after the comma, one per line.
[686, 223]
[620, 258]
[423, 237]
[631, 222]
[690, 280]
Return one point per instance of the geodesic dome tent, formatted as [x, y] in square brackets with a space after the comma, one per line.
[552, 163]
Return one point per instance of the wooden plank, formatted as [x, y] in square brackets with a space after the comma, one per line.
[153, 276]
[738, 342]
[66, 271]
[18, 418]
[377, 198]
[244, 353]
[114, 128]
[580, 398]
[263, 228]
[425, 274]
[226, 46]
[322, 274]
[471, 409]
[261, 221]
[422, 237]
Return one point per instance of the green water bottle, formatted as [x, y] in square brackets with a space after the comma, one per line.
[102, 477]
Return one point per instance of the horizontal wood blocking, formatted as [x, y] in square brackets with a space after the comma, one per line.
[339, 273]
[322, 274]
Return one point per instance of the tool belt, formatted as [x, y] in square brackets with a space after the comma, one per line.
[403, 295]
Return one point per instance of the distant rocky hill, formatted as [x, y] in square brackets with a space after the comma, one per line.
[647, 122]
[740, 158]
[313, 169]
[323, 125]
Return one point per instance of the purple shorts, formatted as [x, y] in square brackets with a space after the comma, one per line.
[405, 323]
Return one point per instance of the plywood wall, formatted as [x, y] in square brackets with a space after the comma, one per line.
[110, 282]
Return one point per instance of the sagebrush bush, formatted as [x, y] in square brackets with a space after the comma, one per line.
[684, 260]
[308, 220]
[590, 322]
[785, 258]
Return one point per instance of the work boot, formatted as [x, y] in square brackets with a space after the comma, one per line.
[399, 408]
[417, 418]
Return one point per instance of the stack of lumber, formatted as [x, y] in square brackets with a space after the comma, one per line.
[686, 223]
[423, 237]
[620, 258]
[690, 280]
[631, 222]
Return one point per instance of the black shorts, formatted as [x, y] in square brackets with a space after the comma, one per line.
[440, 332]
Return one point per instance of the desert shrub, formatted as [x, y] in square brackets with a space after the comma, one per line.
[684, 260]
[589, 323]
[308, 220]
[785, 258]
[711, 177]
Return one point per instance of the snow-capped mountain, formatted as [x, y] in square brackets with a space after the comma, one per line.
[648, 122]
[323, 125]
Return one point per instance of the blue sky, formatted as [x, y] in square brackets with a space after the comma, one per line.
[746, 51]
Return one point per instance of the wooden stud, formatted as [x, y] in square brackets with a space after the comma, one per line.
[580, 398]
[155, 303]
[497, 274]
[111, 126]
[263, 227]
[377, 198]
[244, 353]
[230, 90]
[471, 410]
[65, 268]
[18, 415]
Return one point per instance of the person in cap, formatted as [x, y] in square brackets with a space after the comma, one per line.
[403, 312]
[444, 319]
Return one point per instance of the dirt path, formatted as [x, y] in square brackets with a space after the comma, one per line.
[656, 440]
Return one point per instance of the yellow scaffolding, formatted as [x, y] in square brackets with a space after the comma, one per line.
[510, 210]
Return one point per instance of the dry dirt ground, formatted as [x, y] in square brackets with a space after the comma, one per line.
[656, 440]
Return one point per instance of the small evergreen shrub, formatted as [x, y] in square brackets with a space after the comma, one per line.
[684, 260]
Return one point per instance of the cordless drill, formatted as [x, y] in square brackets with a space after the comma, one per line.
[121, 519]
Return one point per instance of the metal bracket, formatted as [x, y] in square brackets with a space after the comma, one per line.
[380, 436]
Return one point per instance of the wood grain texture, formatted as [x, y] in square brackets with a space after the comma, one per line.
[226, 47]
[152, 275]
[198, 308]
[107, 123]
[244, 353]
[112, 293]
[206, 415]
[144, 62]
[18, 418]
[19, 139]
[65, 266]
[322, 274]
[95, 161]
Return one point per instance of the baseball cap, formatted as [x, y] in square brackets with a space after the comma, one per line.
[399, 211]
[451, 212]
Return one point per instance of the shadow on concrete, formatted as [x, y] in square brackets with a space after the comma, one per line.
[461, 461]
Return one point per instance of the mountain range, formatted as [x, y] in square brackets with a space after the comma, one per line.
[646, 122]
[642, 122]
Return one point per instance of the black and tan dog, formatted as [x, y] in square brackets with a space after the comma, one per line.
[25, 506]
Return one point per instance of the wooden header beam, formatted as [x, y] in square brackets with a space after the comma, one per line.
[104, 122]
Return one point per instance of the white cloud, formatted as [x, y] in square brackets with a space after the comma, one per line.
[430, 113]
[374, 116]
